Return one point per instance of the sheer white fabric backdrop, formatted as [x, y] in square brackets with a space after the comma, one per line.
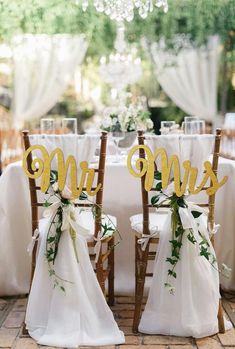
[43, 67]
[190, 77]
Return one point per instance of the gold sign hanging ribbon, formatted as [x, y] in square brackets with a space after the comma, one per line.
[144, 240]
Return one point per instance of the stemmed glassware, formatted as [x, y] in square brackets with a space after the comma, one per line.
[117, 137]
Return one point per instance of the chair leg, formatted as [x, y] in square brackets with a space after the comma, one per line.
[141, 266]
[33, 266]
[111, 273]
[100, 275]
[24, 330]
[136, 264]
[221, 318]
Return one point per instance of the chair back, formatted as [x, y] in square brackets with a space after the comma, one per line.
[210, 202]
[34, 188]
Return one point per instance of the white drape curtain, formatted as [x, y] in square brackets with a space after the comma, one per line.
[43, 67]
[190, 77]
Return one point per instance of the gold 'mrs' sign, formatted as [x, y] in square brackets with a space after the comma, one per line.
[145, 167]
[41, 167]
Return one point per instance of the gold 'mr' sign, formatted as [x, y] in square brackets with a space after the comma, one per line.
[41, 167]
[145, 167]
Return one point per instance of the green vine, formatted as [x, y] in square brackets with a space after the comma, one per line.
[178, 231]
[54, 235]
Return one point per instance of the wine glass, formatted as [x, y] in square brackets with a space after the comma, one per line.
[126, 143]
[117, 137]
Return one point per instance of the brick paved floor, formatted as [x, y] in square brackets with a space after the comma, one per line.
[12, 314]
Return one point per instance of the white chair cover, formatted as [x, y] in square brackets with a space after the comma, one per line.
[192, 310]
[80, 316]
[196, 148]
[156, 220]
[82, 147]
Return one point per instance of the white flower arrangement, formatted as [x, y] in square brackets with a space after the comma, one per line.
[126, 119]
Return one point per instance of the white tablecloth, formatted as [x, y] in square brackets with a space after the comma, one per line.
[122, 198]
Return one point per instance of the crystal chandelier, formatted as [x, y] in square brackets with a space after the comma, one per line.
[120, 10]
[122, 68]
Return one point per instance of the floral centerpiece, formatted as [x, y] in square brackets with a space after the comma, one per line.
[126, 119]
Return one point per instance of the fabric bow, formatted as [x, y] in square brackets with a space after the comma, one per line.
[144, 240]
[186, 216]
[198, 225]
[97, 247]
[69, 222]
[31, 245]
[215, 229]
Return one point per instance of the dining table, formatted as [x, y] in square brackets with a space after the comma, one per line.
[122, 199]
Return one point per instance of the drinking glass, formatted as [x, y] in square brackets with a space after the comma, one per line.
[191, 127]
[69, 125]
[166, 127]
[202, 126]
[47, 125]
[117, 137]
[190, 118]
[229, 121]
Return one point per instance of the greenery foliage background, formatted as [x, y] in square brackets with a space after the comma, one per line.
[196, 19]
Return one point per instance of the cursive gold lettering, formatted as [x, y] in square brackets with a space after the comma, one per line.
[145, 167]
[41, 167]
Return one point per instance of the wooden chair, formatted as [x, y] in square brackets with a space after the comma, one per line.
[142, 257]
[104, 267]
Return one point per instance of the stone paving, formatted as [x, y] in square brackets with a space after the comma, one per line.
[12, 312]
